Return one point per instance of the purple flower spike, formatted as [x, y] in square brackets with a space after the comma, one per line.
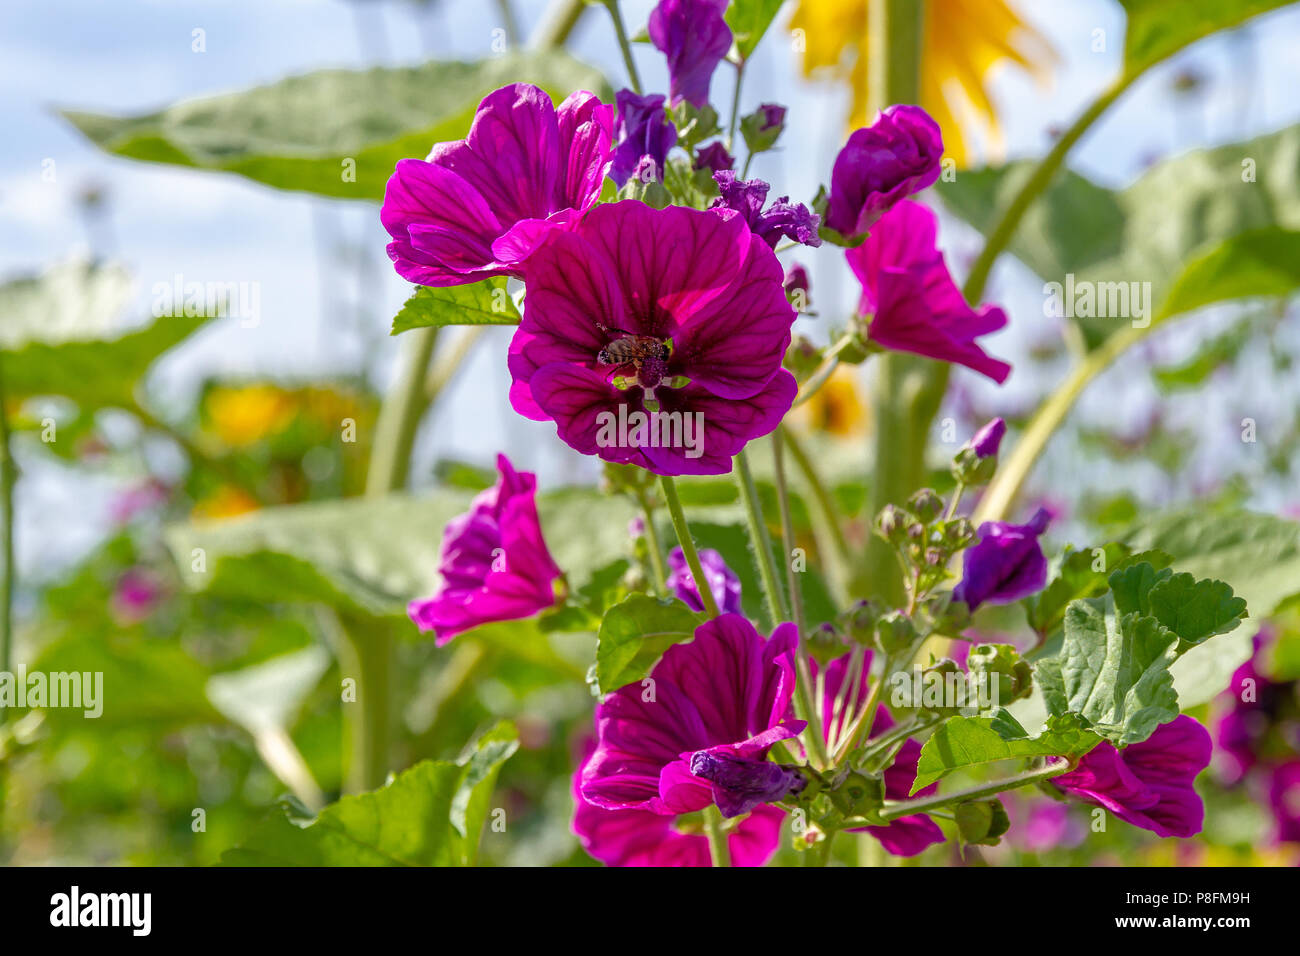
[916, 307]
[895, 156]
[494, 563]
[643, 129]
[694, 37]
[988, 439]
[1006, 564]
[643, 838]
[478, 207]
[1148, 784]
[782, 219]
[655, 337]
[722, 581]
[906, 836]
[740, 784]
[729, 688]
[714, 157]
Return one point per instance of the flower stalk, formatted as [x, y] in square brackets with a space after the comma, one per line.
[683, 531]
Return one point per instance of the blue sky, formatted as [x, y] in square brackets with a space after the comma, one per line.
[135, 55]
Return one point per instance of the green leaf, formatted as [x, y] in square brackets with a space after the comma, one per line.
[333, 132]
[58, 336]
[267, 695]
[1205, 226]
[1156, 29]
[634, 634]
[749, 20]
[481, 303]
[429, 815]
[1114, 670]
[962, 743]
[1192, 609]
[1074, 578]
[1258, 555]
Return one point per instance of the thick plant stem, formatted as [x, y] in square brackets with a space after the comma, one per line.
[557, 23]
[760, 540]
[634, 79]
[901, 393]
[719, 850]
[787, 532]
[399, 417]
[371, 665]
[674, 503]
[1012, 473]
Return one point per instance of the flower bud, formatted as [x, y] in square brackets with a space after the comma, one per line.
[763, 127]
[926, 505]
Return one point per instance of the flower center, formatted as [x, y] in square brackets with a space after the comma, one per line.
[646, 356]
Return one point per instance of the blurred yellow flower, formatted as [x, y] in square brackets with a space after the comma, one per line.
[226, 502]
[242, 415]
[836, 408]
[962, 40]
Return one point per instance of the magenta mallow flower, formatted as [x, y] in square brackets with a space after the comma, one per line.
[906, 836]
[645, 838]
[914, 303]
[478, 207]
[694, 38]
[654, 337]
[1284, 800]
[699, 731]
[986, 442]
[1252, 702]
[494, 562]
[714, 157]
[783, 219]
[895, 156]
[643, 129]
[723, 581]
[1147, 784]
[1005, 564]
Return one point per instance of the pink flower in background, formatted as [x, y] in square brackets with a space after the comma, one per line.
[676, 312]
[644, 838]
[494, 563]
[906, 836]
[136, 594]
[895, 156]
[1147, 784]
[722, 581]
[137, 499]
[1284, 800]
[1006, 563]
[914, 304]
[725, 695]
[478, 207]
[694, 38]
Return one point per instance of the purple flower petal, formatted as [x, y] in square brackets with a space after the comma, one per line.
[915, 305]
[642, 130]
[494, 563]
[1005, 565]
[894, 157]
[723, 581]
[988, 439]
[694, 37]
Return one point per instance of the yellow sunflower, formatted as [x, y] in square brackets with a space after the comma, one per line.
[243, 415]
[962, 40]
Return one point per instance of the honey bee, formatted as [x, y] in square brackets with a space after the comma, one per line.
[632, 349]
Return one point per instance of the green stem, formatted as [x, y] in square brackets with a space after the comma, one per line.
[905, 808]
[7, 481]
[509, 22]
[787, 532]
[399, 418]
[719, 851]
[831, 542]
[654, 546]
[626, 48]
[1035, 184]
[372, 651]
[1012, 472]
[683, 531]
[760, 540]
[735, 111]
[557, 23]
[819, 853]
